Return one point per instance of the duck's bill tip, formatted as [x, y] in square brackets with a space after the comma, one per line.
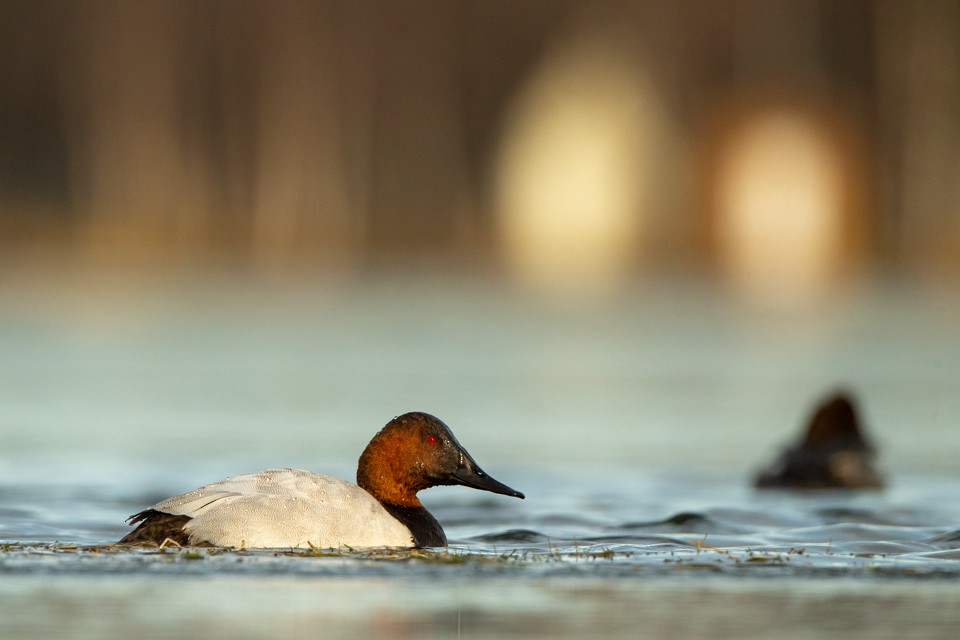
[477, 479]
[513, 493]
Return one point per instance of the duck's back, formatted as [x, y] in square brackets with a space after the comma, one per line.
[286, 508]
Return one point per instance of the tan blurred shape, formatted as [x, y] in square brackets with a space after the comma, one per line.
[785, 204]
[574, 165]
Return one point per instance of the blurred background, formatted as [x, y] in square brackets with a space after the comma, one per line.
[555, 140]
[671, 223]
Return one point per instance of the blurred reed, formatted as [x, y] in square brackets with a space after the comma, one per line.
[566, 142]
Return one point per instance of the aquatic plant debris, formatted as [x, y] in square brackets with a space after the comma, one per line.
[578, 559]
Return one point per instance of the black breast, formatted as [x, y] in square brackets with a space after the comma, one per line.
[426, 531]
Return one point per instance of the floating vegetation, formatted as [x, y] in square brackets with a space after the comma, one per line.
[787, 544]
[696, 555]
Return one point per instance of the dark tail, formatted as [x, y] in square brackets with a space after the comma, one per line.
[156, 527]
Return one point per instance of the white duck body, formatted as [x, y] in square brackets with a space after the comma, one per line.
[286, 508]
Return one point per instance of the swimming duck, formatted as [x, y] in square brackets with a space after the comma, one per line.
[296, 508]
[834, 454]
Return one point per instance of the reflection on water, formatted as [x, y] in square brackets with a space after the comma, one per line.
[693, 606]
[634, 428]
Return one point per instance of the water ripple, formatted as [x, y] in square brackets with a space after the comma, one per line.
[558, 533]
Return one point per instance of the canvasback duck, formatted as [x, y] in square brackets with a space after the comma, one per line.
[295, 508]
[834, 453]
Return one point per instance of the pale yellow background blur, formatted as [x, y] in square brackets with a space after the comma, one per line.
[782, 146]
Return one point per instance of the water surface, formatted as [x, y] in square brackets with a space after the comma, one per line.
[634, 425]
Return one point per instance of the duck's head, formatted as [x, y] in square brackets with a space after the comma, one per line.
[836, 425]
[416, 451]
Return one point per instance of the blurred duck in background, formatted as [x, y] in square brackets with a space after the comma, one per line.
[832, 455]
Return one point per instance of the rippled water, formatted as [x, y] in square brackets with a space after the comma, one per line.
[634, 431]
[610, 552]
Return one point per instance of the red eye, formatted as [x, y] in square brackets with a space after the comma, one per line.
[432, 439]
